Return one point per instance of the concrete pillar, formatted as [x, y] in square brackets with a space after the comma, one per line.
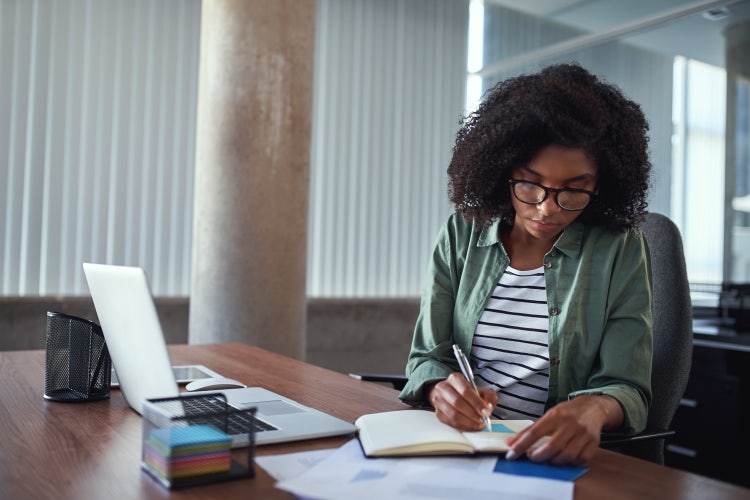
[252, 173]
[737, 173]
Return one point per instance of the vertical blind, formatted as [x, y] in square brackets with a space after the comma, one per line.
[97, 134]
[97, 125]
[389, 93]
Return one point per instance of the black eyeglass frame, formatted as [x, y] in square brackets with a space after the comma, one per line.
[548, 190]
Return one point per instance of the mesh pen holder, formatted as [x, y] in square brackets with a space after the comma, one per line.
[186, 441]
[77, 364]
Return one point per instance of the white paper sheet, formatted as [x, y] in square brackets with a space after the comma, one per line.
[292, 465]
[346, 473]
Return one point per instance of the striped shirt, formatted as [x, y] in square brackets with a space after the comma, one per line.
[510, 347]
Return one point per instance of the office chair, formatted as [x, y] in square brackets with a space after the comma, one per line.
[673, 339]
[673, 342]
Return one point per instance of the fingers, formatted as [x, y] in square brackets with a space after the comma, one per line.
[489, 397]
[577, 451]
[559, 437]
[458, 405]
[523, 442]
[481, 404]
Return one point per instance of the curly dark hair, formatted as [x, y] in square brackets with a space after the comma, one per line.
[561, 105]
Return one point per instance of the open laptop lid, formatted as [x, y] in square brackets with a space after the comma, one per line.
[131, 328]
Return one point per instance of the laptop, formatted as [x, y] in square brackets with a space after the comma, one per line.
[127, 314]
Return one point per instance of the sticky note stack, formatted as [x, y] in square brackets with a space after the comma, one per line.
[185, 452]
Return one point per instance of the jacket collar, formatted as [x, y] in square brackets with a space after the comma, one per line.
[569, 242]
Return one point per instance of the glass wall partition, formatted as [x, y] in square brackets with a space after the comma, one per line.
[688, 65]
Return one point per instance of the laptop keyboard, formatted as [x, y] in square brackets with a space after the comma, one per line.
[237, 421]
[240, 422]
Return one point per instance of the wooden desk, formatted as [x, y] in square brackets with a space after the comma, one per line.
[92, 450]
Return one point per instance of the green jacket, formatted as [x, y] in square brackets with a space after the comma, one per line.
[599, 296]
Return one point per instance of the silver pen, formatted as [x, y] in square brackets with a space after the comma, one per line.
[463, 363]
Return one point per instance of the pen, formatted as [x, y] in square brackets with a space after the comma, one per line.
[463, 363]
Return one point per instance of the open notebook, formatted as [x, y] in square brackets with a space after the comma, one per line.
[133, 334]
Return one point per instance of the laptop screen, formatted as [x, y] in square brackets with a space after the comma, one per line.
[131, 328]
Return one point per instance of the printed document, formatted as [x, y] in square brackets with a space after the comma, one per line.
[346, 473]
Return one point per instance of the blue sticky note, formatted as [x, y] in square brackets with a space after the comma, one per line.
[193, 435]
[525, 467]
[500, 428]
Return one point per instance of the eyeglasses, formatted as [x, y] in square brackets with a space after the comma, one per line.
[532, 193]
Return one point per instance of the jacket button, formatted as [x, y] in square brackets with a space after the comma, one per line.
[553, 311]
[554, 361]
[548, 265]
[554, 252]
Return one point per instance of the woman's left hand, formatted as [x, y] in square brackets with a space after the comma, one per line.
[571, 431]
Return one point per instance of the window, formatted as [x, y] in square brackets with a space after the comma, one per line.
[671, 60]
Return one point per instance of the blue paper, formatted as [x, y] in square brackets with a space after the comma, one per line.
[525, 467]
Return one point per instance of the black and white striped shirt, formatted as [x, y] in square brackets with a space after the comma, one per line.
[510, 347]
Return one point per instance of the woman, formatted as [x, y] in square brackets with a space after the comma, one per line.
[542, 274]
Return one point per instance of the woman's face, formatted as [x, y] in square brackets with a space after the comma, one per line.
[555, 167]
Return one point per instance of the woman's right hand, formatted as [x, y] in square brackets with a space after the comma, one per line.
[457, 405]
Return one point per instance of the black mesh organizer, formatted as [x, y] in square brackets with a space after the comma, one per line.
[181, 440]
[77, 363]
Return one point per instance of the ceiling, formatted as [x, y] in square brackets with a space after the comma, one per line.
[694, 35]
